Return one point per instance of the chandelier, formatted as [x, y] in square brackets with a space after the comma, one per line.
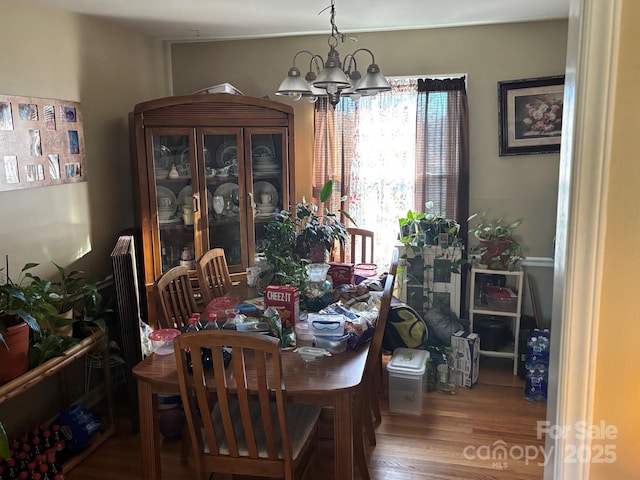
[328, 78]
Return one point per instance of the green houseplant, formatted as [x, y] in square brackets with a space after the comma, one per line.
[424, 234]
[317, 233]
[285, 267]
[497, 246]
[428, 228]
[21, 310]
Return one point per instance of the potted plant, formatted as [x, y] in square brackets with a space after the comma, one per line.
[498, 248]
[317, 234]
[20, 310]
[284, 265]
[428, 229]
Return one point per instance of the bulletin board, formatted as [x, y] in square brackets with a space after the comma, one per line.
[41, 142]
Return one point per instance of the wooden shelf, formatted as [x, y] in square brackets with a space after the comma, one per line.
[516, 276]
[33, 377]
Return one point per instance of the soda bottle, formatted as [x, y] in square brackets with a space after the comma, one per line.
[192, 325]
[212, 321]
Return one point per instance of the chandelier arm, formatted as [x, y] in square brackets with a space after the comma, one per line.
[350, 60]
[373, 59]
[302, 51]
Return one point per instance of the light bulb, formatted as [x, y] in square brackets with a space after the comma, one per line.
[332, 89]
[295, 95]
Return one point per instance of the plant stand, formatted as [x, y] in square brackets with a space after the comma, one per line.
[425, 278]
[56, 366]
[514, 280]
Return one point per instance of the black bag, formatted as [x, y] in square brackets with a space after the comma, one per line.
[405, 328]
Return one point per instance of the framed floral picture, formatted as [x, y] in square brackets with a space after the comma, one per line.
[530, 115]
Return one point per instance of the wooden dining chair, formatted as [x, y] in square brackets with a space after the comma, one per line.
[361, 243]
[213, 275]
[366, 397]
[174, 291]
[239, 420]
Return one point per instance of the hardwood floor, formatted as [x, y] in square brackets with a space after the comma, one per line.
[454, 438]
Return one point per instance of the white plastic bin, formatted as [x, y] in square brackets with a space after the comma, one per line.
[406, 372]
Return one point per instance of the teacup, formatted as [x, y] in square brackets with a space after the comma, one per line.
[265, 198]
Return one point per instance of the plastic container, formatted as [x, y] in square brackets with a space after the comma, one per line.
[162, 340]
[326, 324]
[501, 299]
[303, 337]
[406, 373]
[332, 344]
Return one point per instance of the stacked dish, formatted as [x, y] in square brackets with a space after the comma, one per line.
[167, 204]
[264, 161]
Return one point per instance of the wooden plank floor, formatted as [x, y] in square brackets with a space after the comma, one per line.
[454, 438]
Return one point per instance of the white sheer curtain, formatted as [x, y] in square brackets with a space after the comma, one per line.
[394, 152]
[374, 164]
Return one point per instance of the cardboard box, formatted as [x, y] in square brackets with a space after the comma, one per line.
[466, 348]
[341, 273]
[286, 300]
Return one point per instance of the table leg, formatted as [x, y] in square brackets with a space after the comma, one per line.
[149, 432]
[343, 436]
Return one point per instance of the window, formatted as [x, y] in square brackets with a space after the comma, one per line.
[393, 152]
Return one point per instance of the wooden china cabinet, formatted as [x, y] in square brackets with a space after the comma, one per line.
[211, 170]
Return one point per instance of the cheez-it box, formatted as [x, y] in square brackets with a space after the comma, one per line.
[286, 300]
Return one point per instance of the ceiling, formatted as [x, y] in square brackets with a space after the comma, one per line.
[194, 20]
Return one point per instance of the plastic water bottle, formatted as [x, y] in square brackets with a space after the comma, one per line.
[538, 347]
[447, 373]
[536, 383]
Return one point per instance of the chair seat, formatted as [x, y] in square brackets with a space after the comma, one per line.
[301, 420]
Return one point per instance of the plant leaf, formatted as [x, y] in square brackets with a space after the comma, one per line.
[326, 191]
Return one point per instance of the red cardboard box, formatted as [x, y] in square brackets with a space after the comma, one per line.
[286, 300]
[341, 273]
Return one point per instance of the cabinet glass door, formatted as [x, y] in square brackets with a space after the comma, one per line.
[225, 202]
[268, 160]
[173, 173]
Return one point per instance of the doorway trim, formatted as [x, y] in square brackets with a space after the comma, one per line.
[591, 73]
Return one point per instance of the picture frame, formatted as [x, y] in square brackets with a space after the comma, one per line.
[530, 115]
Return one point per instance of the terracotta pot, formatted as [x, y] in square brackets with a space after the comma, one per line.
[318, 254]
[15, 361]
[493, 249]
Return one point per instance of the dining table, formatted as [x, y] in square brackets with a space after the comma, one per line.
[328, 381]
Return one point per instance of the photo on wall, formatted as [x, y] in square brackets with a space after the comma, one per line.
[39, 137]
[530, 115]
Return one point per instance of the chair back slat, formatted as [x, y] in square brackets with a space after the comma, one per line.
[177, 302]
[361, 243]
[213, 275]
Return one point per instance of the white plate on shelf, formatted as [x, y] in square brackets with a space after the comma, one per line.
[169, 221]
[170, 204]
[225, 190]
[184, 157]
[161, 158]
[226, 153]
[185, 198]
[262, 187]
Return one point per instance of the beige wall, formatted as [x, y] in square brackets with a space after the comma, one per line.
[49, 53]
[517, 186]
[617, 380]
